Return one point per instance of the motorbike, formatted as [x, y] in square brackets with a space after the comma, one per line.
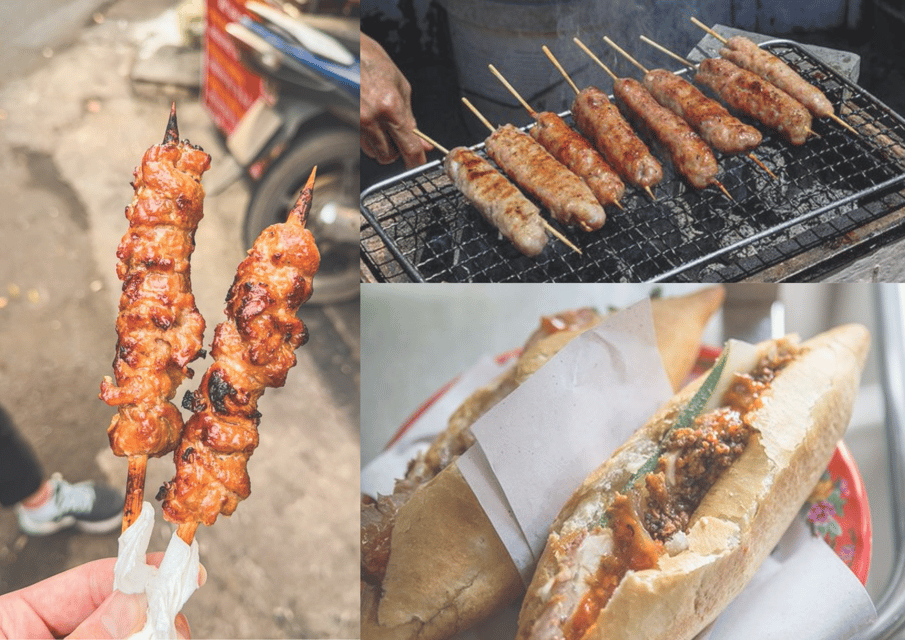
[307, 116]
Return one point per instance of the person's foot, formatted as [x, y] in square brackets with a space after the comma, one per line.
[91, 508]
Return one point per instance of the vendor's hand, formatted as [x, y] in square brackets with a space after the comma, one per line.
[386, 110]
[79, 603]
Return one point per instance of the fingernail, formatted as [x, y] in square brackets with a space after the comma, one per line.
[202, 575]
[182, 627]
[123, 614]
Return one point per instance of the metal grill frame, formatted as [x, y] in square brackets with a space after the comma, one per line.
[426, 225]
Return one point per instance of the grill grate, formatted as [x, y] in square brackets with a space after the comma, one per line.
[418, 226]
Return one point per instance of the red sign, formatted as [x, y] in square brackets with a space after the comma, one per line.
[230, 88]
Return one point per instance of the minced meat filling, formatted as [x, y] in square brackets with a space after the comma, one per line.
[692, 460]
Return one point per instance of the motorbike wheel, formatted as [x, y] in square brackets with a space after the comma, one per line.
[335, 153]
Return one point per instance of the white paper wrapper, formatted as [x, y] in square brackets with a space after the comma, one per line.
[802, 591]
[805, 581]
[550, 433]
[168, 587]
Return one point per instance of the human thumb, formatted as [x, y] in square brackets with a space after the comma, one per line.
[119, 616]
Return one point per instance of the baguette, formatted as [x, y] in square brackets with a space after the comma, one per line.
[432, 563]
[682, 563]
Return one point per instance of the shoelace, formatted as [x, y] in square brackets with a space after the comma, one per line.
[73, 498]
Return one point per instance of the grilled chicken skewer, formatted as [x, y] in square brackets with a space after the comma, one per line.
[691, 156]
[746, 54]
[749, 94]
[159, 328]
[568, 199]
[496, 199]
[571, 149]
[253, 349]
[600, 121]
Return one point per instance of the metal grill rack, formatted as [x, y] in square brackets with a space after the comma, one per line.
[418, 227]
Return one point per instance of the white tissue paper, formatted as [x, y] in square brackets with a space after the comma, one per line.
[551, 432]
[168, 587]
[592, 384]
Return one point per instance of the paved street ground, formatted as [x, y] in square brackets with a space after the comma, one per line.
[72, 128]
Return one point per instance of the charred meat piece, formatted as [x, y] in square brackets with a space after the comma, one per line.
[252, 350]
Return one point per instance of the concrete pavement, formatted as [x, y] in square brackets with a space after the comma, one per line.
[72, 128]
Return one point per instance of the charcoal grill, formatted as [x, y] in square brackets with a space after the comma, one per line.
[838, 190]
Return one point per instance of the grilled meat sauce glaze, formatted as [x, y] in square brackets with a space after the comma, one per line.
[655, 508]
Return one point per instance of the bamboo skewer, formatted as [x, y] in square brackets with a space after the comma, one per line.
[547, 226]
[835, 118]
[703, 26]
[524, 103]
[135, 489]
[645, 71]
[511, 89]
[577, 91]
[431, 142]
[719, 185]
[692, 66]
[186, 531]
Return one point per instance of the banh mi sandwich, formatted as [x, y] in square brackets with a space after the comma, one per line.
[431, 562]
[663, 535]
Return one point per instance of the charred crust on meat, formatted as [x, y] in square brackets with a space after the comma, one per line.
[193, 401]
[163, 491]
[218, 390]
[162, 319]
[171, 136]
[187, 454]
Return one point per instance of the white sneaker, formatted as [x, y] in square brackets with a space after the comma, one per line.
[91, 508]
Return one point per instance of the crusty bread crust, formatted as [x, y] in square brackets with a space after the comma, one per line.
[455, 567]
[801, 418]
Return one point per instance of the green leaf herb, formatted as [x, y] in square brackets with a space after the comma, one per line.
[685, 419]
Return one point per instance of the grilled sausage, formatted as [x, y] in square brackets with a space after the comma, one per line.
[748, 55]
[573, 150]
[752, 95]
[564, 194]
[690, 154]
[600, 121]
[497, 200]
[720, 129]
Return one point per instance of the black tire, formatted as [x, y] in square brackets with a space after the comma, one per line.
[336, 154]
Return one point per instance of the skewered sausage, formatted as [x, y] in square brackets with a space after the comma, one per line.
[600, 121]
[747, 55]
[750, 94]
[564, 194]
[497, 200]
[690, 154]
[720, 129]
[573, 150]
